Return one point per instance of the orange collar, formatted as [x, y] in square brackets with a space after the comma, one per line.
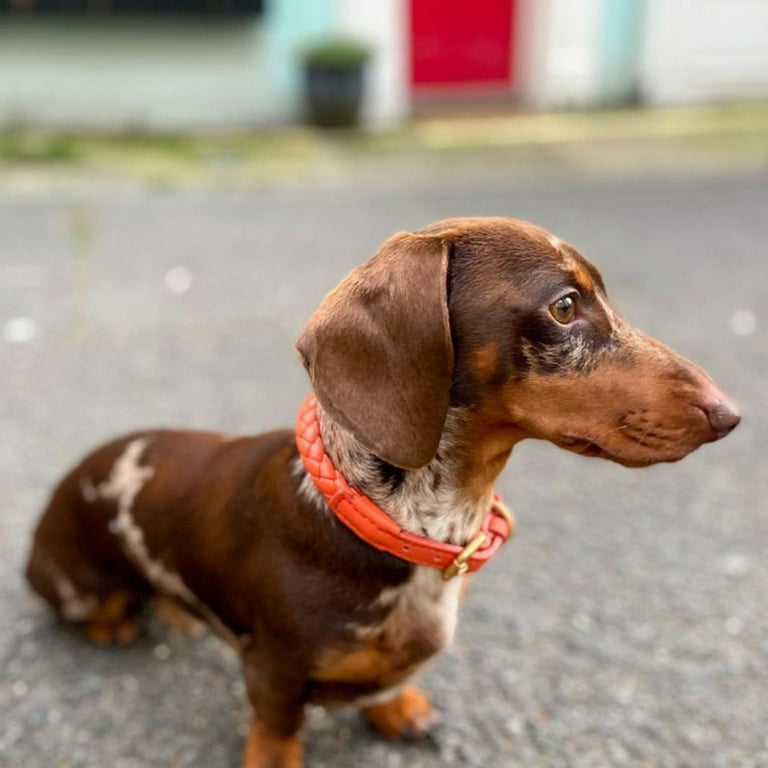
[377, 528]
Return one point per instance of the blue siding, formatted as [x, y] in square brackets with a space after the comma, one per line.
[290, 25]
[621, 48]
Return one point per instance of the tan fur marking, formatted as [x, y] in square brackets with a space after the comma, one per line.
[362, 666]
[634, 420]
[114, 623]
[490, 451]
[407, 716]
[263, 750]
[485, 361]
[584, 279]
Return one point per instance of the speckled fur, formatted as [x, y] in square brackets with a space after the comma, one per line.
[427, 501]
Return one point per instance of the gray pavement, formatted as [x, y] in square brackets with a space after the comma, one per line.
[627, 623]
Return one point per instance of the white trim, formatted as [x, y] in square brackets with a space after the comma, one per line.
[384, 25]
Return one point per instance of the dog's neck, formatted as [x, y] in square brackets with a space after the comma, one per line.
[431, 501]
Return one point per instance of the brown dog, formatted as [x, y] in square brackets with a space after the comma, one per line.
[429, 362]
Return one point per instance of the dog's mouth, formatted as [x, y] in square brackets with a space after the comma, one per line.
[627, 455]
[587, 447]
[580, 445]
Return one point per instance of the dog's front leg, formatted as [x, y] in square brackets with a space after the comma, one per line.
[276, 689]
[265, 749]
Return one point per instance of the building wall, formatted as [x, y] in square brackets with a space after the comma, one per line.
[289, 25]
[158, 74]
[584, 53]
[177, 74]
[623, 29]
[560, 41]
[383, 24]
[580, 53]
[705, 50]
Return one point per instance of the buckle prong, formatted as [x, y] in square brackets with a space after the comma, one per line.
[459, 566]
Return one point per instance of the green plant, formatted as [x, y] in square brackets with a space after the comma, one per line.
[337, 53]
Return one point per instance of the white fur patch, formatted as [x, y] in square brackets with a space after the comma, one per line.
[441, 598]
[425, 602]
[123, 485]
[88, 490]
[73, 606]
[428, 501]
[126, 479]
[425, 605]
[79, 608]
[307, 489]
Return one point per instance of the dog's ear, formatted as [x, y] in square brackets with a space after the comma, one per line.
[379, 352]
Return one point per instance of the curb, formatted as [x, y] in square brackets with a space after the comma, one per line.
[569, 127]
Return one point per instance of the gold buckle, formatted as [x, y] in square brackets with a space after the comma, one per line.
[501, 508]
[459, 566]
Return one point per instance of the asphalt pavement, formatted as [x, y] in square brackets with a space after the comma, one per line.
[625, 625]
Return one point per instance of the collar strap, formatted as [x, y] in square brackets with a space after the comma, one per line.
[377, 528]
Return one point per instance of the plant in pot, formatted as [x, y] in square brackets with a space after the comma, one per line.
[334, 80]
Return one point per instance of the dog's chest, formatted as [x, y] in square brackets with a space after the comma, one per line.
[419, 621]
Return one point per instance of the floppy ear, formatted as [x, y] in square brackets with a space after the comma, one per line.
[379, 353]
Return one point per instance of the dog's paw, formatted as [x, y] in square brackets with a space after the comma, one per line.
[118, 633]
[409, 716]
[172, 613]
[116, 622]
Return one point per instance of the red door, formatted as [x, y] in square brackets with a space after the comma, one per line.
[462, 45]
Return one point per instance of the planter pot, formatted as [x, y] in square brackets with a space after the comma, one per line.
[334, 94]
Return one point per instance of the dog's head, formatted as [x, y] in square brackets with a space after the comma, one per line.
[500, 318]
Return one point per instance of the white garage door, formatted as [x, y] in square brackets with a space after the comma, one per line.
[705, 50]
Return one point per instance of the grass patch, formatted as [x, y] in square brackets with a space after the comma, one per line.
[613, 140]
[18, 146]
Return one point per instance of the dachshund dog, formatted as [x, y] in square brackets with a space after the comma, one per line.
[334, 562]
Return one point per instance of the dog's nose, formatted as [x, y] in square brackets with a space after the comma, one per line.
[723, 417]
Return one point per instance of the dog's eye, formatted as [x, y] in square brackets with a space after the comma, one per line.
[564, 309]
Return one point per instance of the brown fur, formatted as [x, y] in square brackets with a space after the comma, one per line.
[391, 313]
[430, 363]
